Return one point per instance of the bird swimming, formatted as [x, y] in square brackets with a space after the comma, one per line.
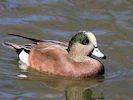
[73, 59]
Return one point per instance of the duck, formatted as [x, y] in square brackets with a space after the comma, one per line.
[76, 59]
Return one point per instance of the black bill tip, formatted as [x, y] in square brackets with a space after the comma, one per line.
[104, 57]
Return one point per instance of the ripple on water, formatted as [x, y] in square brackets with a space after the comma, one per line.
[94, 15]
[113, 69]
[102, 32]
[6, 96]
[124, 19]
[13, 4]
[28, 19]
[123, 43]
[57, 32]
[112, 21]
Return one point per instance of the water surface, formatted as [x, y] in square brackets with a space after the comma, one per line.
[110, 20]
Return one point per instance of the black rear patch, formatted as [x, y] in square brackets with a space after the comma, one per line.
[27, 51]
[18, 51]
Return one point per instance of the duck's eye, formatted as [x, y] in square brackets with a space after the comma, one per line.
[85, 42]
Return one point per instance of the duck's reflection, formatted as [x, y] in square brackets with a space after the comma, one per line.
[80, 93]
[74, 89]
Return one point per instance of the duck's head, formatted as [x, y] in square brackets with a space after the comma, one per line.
[83, 44]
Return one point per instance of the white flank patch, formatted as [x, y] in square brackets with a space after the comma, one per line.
[23, 56]
[23, 67]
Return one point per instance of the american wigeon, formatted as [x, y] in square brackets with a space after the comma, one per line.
[69, 60]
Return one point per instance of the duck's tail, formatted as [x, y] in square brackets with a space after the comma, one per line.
[37, 40]
[32, 39]
[11, 45]
[16, 47]
[22, 50]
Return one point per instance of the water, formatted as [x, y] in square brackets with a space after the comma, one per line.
[110, 20]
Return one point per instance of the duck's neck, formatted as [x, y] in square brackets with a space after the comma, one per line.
[78, 57]
[79, 52]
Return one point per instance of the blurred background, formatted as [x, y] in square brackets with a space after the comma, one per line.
[110, 20]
